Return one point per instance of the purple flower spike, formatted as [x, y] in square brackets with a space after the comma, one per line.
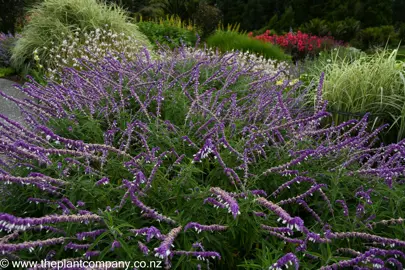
[199, 228]
[286, 260]
[92, 234]
[284, 217]
[143, 248]
[227, 200]
[282, 230]
[90, 254]
[149, 212]
[76, 247]
[80, 203]
[9, 222]
[396, 263]
[150, 232]
[103, 181]
[164, 250]
[214, 202]
[208, 148]
[201, 255]
[345, 208]
[198, 245]
[360, 210]
[11, 248]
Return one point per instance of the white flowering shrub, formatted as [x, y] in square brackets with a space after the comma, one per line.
[246, 59]
[91, 46]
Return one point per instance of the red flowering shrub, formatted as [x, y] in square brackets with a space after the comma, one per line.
[300, 45]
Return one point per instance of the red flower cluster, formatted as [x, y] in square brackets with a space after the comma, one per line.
[300, 44]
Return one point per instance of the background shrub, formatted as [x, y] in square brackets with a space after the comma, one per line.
[207, 18]
[316, 27]
[12, 13]
[344, 30]
[7, 42]
[231, 40]
[52, 20]
[300, 45]
[376, 37]
[171, 31]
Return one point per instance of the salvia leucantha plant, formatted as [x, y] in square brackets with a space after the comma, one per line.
[198, 162]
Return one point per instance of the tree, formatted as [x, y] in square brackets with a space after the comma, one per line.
[10, 12]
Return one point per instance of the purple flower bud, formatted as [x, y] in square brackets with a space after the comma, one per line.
[115, 244]
[143, 248]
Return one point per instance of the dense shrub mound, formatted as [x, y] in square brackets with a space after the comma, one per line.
[199, 162]
[300, 45]
[232, 40]
[171, 31]
[51, 21]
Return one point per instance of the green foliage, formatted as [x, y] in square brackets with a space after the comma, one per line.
[376, 37]
[183, 8]
[207, 18]
[357, 83]
[171, 31]
[316, 26]
[52, 20]
[401, 32]
[6, 71]
[10, 12]
[230, 40]
[344, 30]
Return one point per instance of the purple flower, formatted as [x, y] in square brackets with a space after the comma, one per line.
[103, 181]
[214, 202]
[149, 211]
[207, 148]
[80, 204]
[360, 210]
[91, 234]
[345, 208]
[143, 248]
[164, 250]
[282, 230]
[90, 254]
[9, 222]
[284, 217]
[76, 247]
[285, 261]
[200, 255]
[115, 244]
[11, 248]
[227, 200]
[150, 233]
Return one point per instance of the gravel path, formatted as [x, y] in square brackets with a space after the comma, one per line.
[10, 110]
[6, 107]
